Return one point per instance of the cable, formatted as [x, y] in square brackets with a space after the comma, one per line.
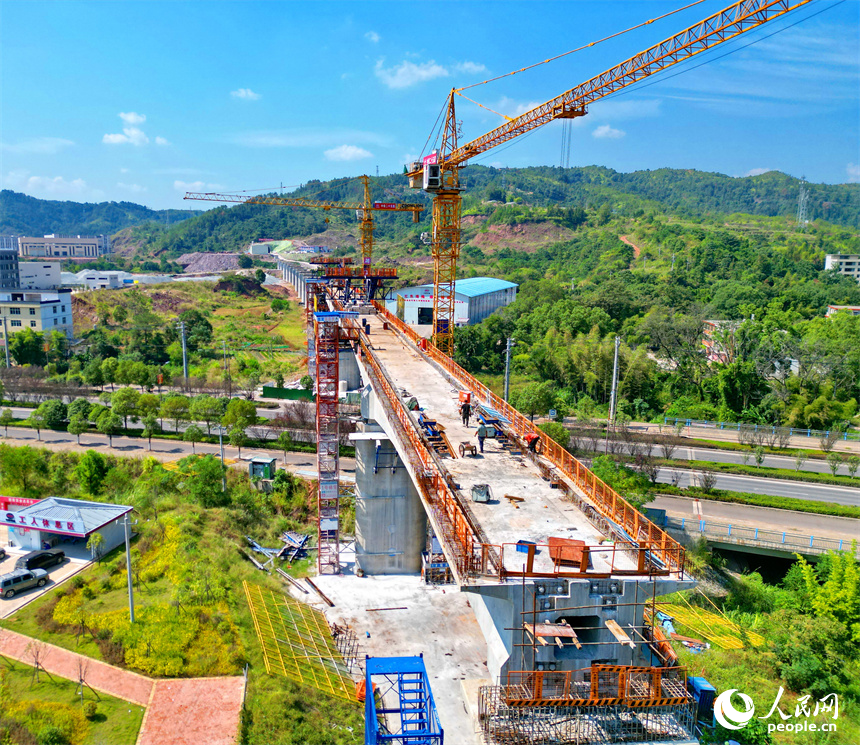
[433, 128]
[634, 88]
[585, 46]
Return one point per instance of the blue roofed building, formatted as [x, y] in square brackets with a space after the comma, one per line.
[475, 299]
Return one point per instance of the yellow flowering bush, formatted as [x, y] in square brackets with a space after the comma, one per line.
[36, 715]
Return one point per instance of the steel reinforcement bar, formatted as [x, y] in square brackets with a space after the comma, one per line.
[606, 500]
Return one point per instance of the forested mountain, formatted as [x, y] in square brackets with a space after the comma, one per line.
[24, 215]
[683, 193]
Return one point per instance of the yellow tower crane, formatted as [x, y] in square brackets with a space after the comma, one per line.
[364, 210]
[439, 173]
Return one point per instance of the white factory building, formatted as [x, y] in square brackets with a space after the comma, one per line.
[474, 300]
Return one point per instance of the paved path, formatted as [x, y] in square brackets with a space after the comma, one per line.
[164, 450]
[184, 711]
[769, 518]
[774, 487]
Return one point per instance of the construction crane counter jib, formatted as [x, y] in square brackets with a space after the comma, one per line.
[364, 209]
[438, 173]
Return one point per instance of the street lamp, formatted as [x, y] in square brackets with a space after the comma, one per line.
[221, 429]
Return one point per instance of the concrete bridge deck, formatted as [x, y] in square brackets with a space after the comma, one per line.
[542, 513]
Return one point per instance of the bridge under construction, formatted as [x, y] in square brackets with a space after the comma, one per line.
[561, 570]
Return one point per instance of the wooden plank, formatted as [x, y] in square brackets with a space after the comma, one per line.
[619, 633]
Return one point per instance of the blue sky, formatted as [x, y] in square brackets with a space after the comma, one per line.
[140, 101]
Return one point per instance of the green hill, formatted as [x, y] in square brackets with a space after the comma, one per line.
[24, 215]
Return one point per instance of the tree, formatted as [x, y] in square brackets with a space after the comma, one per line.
[37, 421]
[307, 382]
[193, 434]
[853, 465]
[245, 261]
[96, 410]
[206, 409]
[260, 276]
[557, 432]
[91, 471]
[285, 441]
[838, 597]
[176, 409]
[53, 413]
[96, 544]
[240, 413]
[120, 314]
[799, 459]
[79, 407]
[203, 480]
[707, 481]
[534, 398]
[147, 404]
[109, 424]
[92, 374]
[150, 427]
[77, 426]
[6, 418]
[238, 438]
[834, 460]
[758, 454]
[124, 403]
[28, 348]
[21, 466]
[198, 330]
[109, 368]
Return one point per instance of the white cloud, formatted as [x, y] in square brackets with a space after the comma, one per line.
[853, 171]
[49, 186]
[757, 171]
[372, 37]
[196, 186]
[246, 94]
[347, 152]
[604, 131]
[131, 134]
[38, 146]
[136, 188]
[470, 68]
[123, 170]
[407, 73]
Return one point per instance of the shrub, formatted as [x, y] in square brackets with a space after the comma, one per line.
[91, 708]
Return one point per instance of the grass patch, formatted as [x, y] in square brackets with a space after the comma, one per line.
[115, 721]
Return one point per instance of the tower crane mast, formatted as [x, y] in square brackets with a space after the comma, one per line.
[439, 172]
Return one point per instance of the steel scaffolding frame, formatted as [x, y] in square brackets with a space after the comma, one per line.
[327, 342]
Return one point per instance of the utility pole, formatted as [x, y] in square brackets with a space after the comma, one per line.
[614, 396]
[802, 199]
[184, 350]
[227, 371]
[508, 346]
[6, 341]
[128, 569]
[221, 447]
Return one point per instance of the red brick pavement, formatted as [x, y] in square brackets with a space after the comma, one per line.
[180, 711]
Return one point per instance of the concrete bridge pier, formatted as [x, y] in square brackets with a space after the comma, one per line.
[586, 605]
[390, 522]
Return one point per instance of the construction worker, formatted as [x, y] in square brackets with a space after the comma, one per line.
[482, 435]
[465, 412]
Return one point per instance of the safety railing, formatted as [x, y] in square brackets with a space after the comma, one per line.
[759, 537]
[633, 524]
[766, 429]
[598, 685]
[333, 271]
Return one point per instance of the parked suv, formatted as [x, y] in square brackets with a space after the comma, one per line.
[21, 579]
[41, 559]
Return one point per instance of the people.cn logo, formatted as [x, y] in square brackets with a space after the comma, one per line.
[727, 715]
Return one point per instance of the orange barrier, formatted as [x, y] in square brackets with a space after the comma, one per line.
[348, 271]
[606, 500]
